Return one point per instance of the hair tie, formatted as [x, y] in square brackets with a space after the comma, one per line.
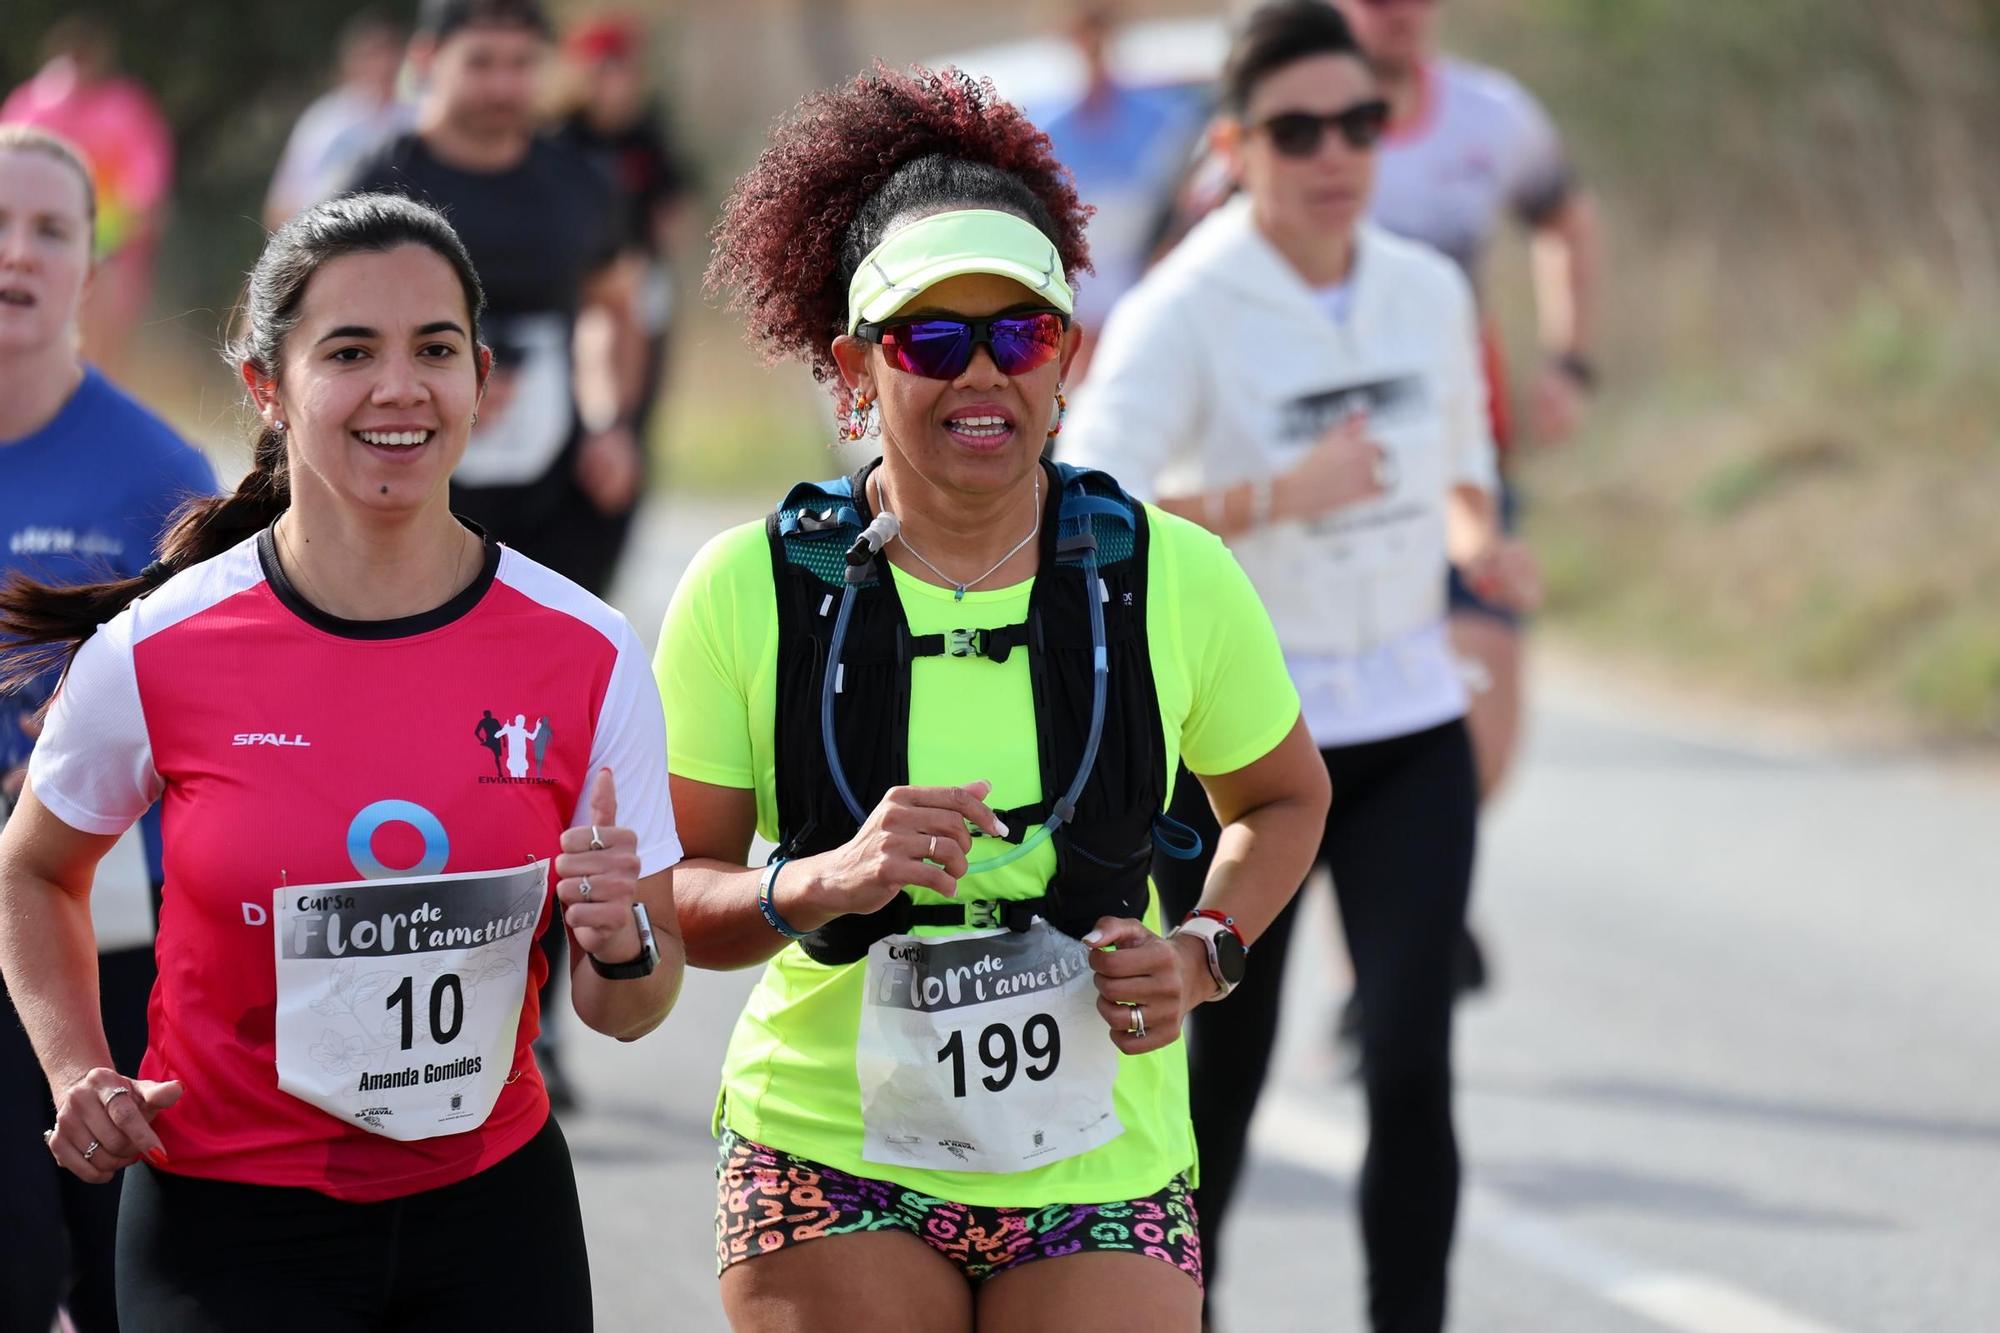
[156, 573]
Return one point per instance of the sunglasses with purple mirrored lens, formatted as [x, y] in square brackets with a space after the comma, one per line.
[939, 347]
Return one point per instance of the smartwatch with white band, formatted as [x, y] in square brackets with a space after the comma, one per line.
[1228, 958]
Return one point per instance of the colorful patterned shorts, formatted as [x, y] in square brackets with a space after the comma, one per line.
[768, 1200]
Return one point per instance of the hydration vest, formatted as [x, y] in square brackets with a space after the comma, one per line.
[1105, 843]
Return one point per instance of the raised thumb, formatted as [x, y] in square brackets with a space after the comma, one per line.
[157, 1097]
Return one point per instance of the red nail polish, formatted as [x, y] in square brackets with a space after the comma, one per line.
[157, 1156]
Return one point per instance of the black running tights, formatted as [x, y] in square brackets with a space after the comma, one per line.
[1399, 841]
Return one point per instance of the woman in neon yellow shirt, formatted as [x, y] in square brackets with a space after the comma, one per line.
[958, 725]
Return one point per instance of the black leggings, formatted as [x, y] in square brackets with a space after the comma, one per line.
[57, 1233]
[503, 1249]
[1399, 841]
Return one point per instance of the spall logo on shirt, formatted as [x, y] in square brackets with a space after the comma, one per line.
[269, 738]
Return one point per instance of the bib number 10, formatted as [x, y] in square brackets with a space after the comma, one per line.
[1001, 1053]
[445, 988]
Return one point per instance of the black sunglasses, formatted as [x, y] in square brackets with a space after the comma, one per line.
[1299, 133]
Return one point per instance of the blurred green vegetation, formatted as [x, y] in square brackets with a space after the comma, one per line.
[1790, 486]
[1819, 527]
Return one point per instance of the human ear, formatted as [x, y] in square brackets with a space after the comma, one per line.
[263, 394]
[1072, 340]
[1225, 141]
[850, 356]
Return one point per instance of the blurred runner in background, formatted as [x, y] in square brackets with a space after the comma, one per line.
[88, 480]
[1307, 386]
[1126, 147]
[617, 119]
[1468, 149]
[346, 124]
[80, 95]
[553, 468]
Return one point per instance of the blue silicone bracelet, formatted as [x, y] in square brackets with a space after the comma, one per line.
[766, 904]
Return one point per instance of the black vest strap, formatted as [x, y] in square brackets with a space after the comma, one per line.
[980, 913]
[996, 644]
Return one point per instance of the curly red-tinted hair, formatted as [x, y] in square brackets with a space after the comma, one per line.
[850, 161]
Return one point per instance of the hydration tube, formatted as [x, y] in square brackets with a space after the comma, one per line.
[827, 688]
[861, 558]
[1099, 689]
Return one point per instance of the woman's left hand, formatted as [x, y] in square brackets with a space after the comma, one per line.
[1506, 574]
[605, 857]
[1144, 984]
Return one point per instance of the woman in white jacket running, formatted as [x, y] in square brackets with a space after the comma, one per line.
[1308, 386]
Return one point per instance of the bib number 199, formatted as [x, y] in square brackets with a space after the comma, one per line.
[1040, 1041]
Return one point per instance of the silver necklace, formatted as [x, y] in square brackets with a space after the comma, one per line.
[281, 530]
[958, 588]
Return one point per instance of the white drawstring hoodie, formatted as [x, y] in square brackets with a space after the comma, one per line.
[1224, 366]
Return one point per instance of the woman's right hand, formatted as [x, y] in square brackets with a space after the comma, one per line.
[915, 836]
[1343, 468]
[114, 1113]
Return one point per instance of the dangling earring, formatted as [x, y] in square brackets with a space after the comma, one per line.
[1062, 410]
[860, 420]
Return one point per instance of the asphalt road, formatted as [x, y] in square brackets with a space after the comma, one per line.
[1740, 1070]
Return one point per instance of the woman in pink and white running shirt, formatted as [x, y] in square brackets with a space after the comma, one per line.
[338, 1123]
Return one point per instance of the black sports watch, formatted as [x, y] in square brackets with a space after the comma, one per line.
[1228, 958]
[643, 965]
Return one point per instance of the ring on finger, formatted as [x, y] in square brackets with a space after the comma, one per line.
[583, 889]
[596, 843]
[114, 1095]
[1138, 1028]
[48, 1136]
[931, 853]
[91, 1151]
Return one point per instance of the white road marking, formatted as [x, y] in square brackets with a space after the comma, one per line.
[1289, 1130]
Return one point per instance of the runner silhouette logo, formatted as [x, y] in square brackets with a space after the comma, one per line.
[516, 746]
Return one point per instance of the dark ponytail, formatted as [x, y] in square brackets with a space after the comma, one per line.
[42, 625]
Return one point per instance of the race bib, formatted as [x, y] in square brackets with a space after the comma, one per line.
[983, 1052]
[399, 998]
[523, 433]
